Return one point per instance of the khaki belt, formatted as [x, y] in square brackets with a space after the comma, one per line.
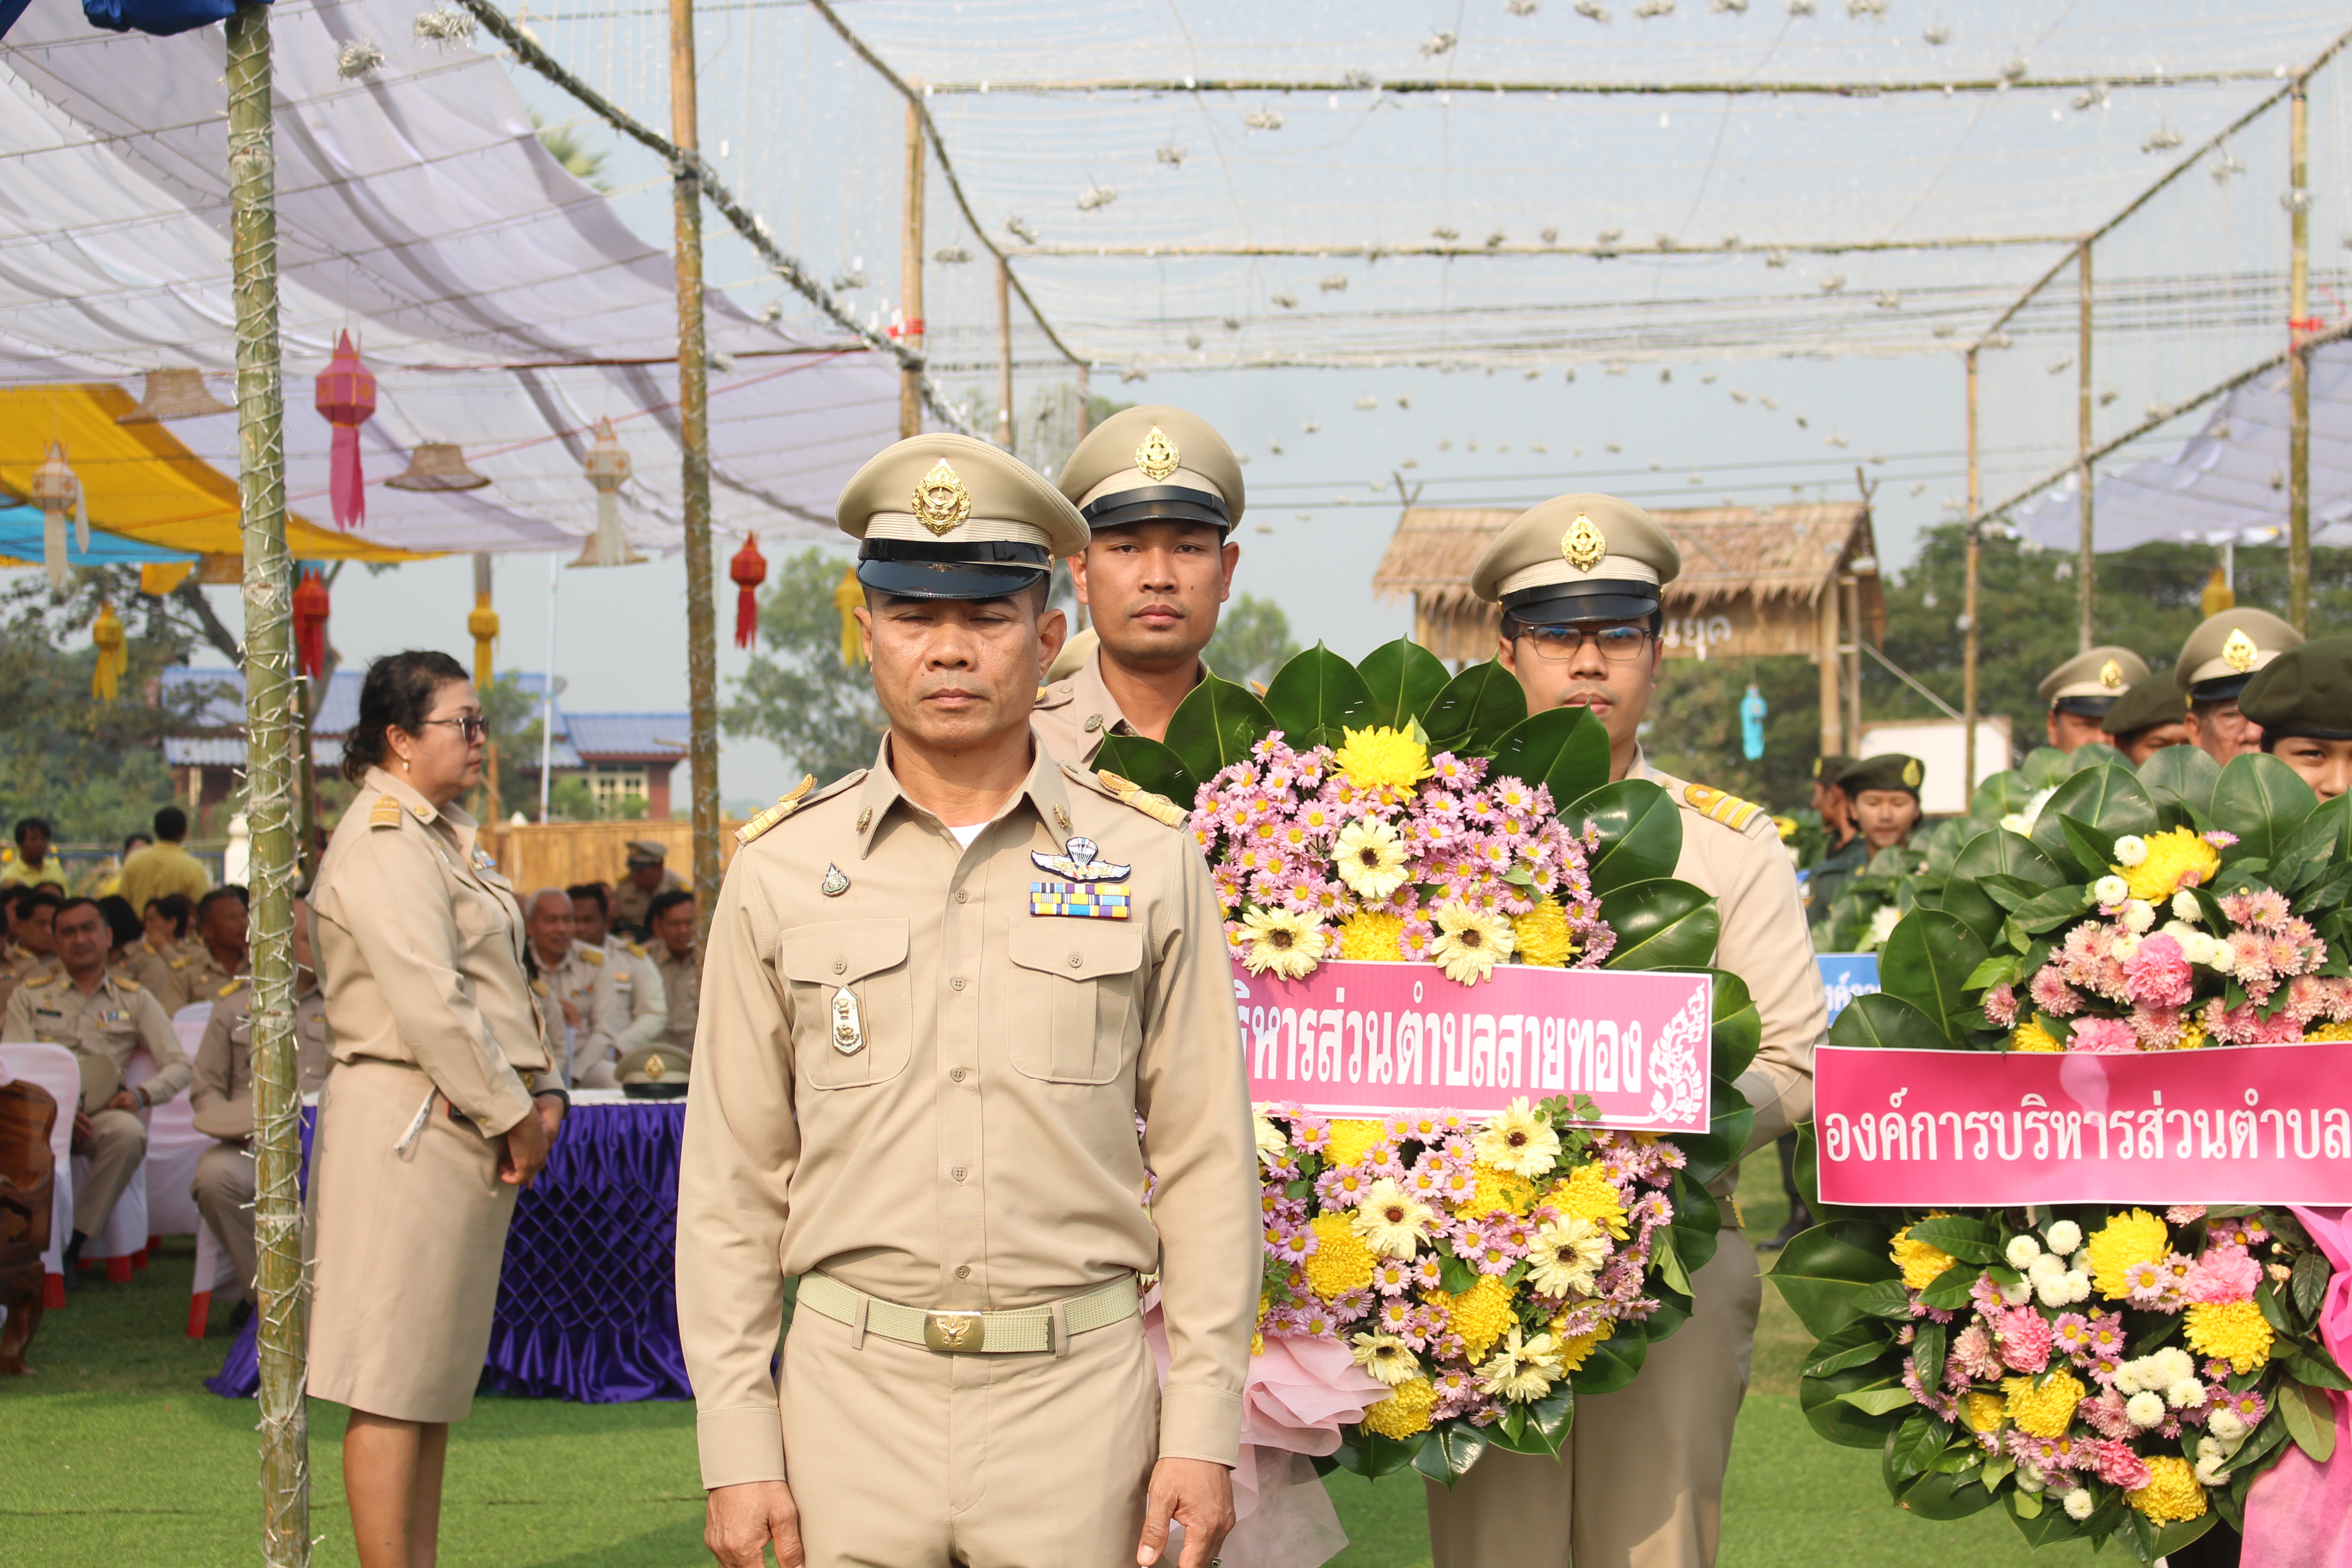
[1027, 1330]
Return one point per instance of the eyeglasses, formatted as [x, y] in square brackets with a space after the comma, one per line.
[471, 726]
[1618, 645]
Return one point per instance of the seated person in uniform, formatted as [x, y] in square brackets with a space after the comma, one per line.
[1885, 794]
[220, 950]
[125, 930]
[672, 915]
[167, 919]
[31, 946]
[2302, 700]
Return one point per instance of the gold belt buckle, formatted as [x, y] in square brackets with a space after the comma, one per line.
[957, 1333]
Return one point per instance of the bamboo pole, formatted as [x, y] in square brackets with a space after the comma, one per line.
[1826, 656]
[2298, 364]
[1691, 87]
[1851, 589]
[1968, 608]
[910, 272]
[2086, 592]
[269, 729]
[1005, 356]
[694, 440]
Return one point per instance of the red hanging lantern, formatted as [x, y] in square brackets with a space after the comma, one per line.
[311, 625]
[346, 398]
[749, 570]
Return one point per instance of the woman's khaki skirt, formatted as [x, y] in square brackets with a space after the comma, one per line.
[405, 1247]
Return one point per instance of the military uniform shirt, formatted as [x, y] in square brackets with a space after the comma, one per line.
[681, 980]
[631, 901]
[222, 1095]
[1075, 714]
[931, 1093]
[584, 979]
[644, 1004]
[20, 964]
[107, 1024]
[198, 978]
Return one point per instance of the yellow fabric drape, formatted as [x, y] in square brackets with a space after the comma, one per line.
[157, 578]
[847, 594]
[107, 634]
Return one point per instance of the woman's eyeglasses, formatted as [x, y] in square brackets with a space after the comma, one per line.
[471, 726]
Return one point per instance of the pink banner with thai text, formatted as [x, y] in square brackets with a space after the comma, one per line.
[2242, 1124]
[1380, 1040]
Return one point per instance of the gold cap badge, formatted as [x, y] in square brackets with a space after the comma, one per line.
[1157, 457]
[654, 1069]
[941, 502]
[2239, 652]
[2111, 676]
[1911, 774]
[1584, 544]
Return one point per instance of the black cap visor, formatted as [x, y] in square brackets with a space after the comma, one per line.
[1569, 603]
[2221, 689]
[1158, 503]
[973, 569]
[2084, 706]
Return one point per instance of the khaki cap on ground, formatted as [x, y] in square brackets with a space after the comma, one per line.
[2150, 701]
[2223, 654]
[1154, 464]
[658, 1068]
[945, 517]
[1578, 558]
[1889, 770]
[2305, 691]
[2089, 683]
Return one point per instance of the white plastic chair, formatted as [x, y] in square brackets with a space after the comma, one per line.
[55, 1070]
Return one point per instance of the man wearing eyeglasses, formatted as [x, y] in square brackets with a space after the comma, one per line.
[1580, 581]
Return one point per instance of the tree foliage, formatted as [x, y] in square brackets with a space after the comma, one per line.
[820, 712]
[1253, 640]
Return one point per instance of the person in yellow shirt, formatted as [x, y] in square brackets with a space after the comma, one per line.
[164, 867]
[33, 865]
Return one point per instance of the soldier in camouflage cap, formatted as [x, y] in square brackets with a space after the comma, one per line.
[2302, 700]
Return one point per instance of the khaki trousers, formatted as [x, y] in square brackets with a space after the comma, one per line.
[224, 1190]
[1640, 1483]
[901, 1456]
[119, 1141]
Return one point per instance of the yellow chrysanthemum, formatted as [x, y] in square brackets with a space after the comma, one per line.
[1574, 1351]
[1480, 1314]
[1542, 934]
[1920, 1261]
[1496, 1190]
[2045, 1411]
[1352, 1140]
[1381, 758]
[2032, 1036]
[2192, 1035]
[2176, 859]
[2133, 1237]
[1340, 1261]
[2171, 1494]
[1985, 1412]
[2234, 1330]
[2329, 1031]
[1588, 1191]
[1405, 1411]
[1370, 936]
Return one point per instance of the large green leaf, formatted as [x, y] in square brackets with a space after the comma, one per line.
[1827, 1411]
[1315, 695]
[1716, 1150]
[1539, 1426]
[1639, 828]
[1474, 709]
[2320, 846]
[1888, 1023]
[1450, 1448]
[2109, 799]
[1822, 1271]
[1941, 1495]
[2003, 853]
[1998, 797]
[1565, 750]
[1372, 1455]
[1739, 1026]
[1927, 962]
[1661, 924]
[2262, 801]
[1612, 1364]
[1215, 726]
[1860, 1342]
[1146, 761]
[1402, 677]
[2185, 773]
[2043, 766]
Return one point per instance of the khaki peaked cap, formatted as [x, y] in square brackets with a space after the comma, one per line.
[1583, 557]
[2305, 691]
[1153, 463]
[2150, 701]
[943, 516]
[2091, 681]
[2225, 650]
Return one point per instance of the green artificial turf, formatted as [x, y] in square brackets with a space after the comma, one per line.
[115, 1452]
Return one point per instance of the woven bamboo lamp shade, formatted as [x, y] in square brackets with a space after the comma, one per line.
[173, 394]
[437, 465]
[607, 467]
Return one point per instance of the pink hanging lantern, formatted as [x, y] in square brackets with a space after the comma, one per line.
[346, 398]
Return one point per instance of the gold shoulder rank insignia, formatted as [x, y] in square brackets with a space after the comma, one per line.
[593, 955]
[1716, 807]
[384, 813]
[33, 983]
[126, 983]
[1041, 694]
[538, 987]
[785, 805]
[1159, 807]
[182, 961]
[229, 988]
[635, 951]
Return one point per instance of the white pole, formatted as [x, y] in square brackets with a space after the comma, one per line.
[547, 693]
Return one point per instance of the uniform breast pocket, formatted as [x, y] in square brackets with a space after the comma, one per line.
[853, 1008]
[1072, 1005]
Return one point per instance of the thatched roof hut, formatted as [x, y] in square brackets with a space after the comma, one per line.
[1755, 581]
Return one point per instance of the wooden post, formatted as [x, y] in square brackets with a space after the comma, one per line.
[1969, 605]
[2298, 364]
[1851, 588]
[694, 441]
[2084, 590]
[1004, 354]
[1826, 656]
[1086, 396]
[910, 378]
[269, 700]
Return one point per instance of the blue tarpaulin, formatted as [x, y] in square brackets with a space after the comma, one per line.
[161, 17]
[20, 537]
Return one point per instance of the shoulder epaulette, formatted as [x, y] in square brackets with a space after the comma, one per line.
[538, 987]
[230, 986]
[35, 982]
[593, 955]
[124, 981]
[1716, 807]
[635, 951]
[384, 813]
[1041, 694]
[785, 805]
[1127, 792]
[182, 961]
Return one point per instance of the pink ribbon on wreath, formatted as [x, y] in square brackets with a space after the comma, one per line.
[1298, 1394]
[2299, 1513]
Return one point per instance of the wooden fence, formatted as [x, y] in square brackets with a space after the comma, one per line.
[562, 854]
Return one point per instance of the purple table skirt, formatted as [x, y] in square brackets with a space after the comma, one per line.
[587, 1303]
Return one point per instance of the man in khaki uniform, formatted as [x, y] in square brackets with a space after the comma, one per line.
[222, 1099]
[32, 941]
[574, 988]
[2079, 692]
[680, 966]
[154, 870]
[1160, 492]
[103, 1018]
[217, 957]
[636, 981]
[1641, 1481]
[156, 959]
[647, 879]
[2215, 664]
[941, 996]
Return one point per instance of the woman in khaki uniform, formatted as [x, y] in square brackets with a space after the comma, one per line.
[439, 1107]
